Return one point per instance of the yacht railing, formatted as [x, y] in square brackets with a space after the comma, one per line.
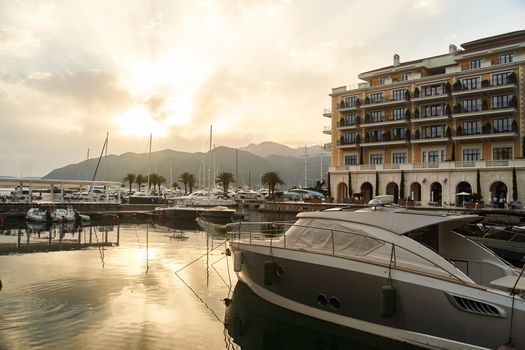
[277, 229]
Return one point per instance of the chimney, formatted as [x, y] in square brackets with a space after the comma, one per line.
[396, 60]
[452, 49]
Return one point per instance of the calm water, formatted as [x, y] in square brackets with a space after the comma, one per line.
[157, 290]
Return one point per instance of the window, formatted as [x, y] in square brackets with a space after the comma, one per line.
[350, 101]
[433, 156]
[501, 153]
[471, 154]
[377, 97]
[399, 133]
[350, 119]
[474, 64]
[506, 58]
[377, 135]
[500, 79]
[472, 127]
[376, 117]
[502, 101]
[472, 105]
[351, 159]
[433, 131]
[398, 94]
[399, 158]
[405, 76]
[502, 125]
[376, 158]
[433, 90]
[433, 111]
[398, 113]
[470, 83]
[382, 80]
[349, 137]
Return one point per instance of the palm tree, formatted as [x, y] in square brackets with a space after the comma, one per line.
[184, 179]
[271, 179]
[224, 179]
[129, 178]
[160, 180]
[152, 181]
[175, 185]
[192, 181]
[140, 179]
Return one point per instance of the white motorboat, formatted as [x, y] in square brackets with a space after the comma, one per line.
[218, 214]
[40, 215]
[404, 276]
[70, 215]
[205, 199]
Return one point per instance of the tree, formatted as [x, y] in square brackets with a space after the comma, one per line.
[139, 180]
[224, 179]
[160, 180]
[192, 181]
[188, 180]
[514, 185]
[175, 185]
[350, 192]
[402, 185]
[153, 180]
[271, 179]
[129, 178]
[478, 184]
[377, 183]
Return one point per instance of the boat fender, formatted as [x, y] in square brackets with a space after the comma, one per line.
[116, 219]
[237, 261]
[227, 252]
[388, 299]
[507, 346]
[269, 272]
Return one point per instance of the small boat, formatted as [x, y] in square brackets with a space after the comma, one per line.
[204, 199]
[218, 214]
[145, 198]
[402, 275]
[40, 215]
[70, 215]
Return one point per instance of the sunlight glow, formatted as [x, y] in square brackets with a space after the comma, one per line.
[137, 121]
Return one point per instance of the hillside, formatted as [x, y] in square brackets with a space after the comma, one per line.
[250, 166]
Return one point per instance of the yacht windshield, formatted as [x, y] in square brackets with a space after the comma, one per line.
[328, 235]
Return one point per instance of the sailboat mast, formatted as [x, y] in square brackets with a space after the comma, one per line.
[149, 162]
[237, 167]
[305, 169]
[210, 180]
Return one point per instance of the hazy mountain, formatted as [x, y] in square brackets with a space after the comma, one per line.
[266, 149]
[250, 167]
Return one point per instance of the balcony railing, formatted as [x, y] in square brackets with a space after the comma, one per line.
[327, 112]
[481, 164]
[484, 86]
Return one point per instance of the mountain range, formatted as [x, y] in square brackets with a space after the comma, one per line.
[247, 164]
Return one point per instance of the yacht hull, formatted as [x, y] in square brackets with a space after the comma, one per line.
[349, 292]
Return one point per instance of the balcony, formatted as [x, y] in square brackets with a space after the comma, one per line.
[484, 87]
[383, 103]
[486, 133]
[346, 144]
[431, 98]
[385, 140]
[327, 129]
[347, 125]
[327, 146]
[327, 112]
[430, 119]
[429, 167]
[344, 108]
[389, 122]
[481, 113]
[440, 139]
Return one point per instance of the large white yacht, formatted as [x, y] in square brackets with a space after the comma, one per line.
[397, 274]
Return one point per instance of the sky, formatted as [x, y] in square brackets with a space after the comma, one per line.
[73, 70]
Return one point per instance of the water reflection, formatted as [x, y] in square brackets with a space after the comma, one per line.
[38, 237]
[69, 299]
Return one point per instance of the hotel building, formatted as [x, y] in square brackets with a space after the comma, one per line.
[445, 125]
